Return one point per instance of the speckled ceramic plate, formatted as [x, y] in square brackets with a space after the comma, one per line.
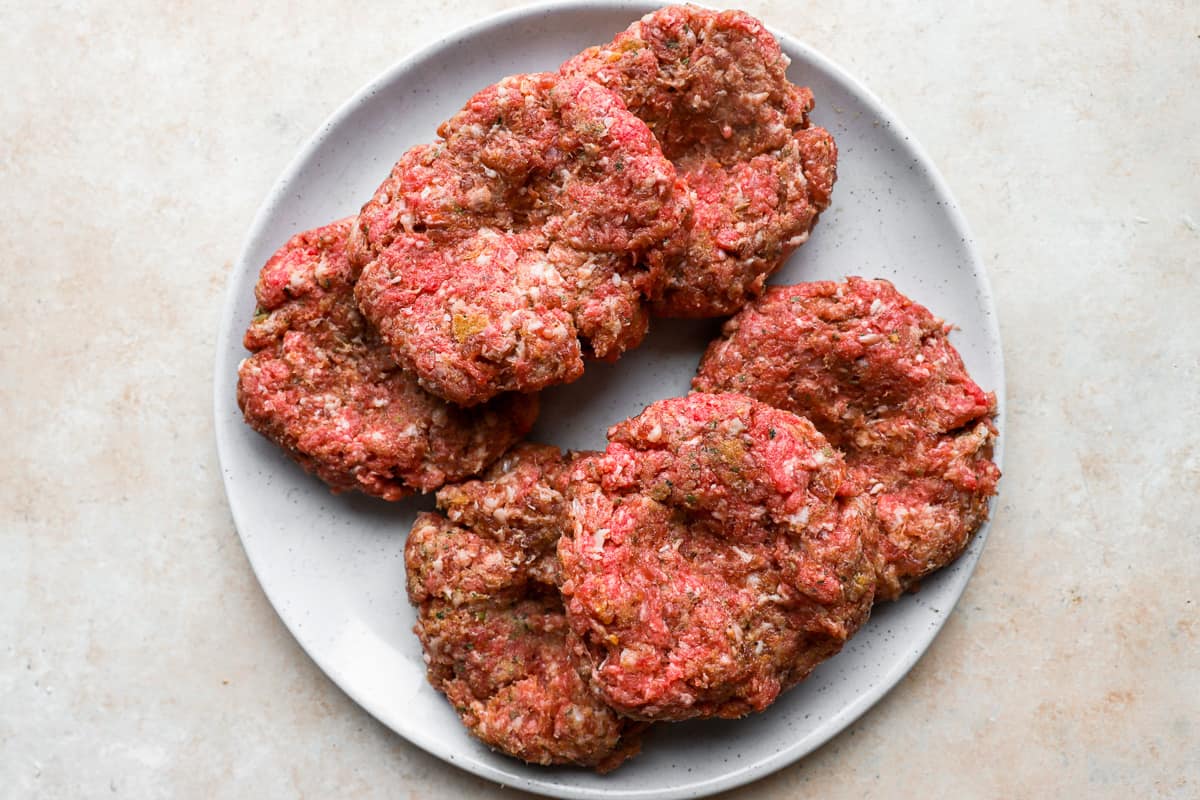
[333, 566]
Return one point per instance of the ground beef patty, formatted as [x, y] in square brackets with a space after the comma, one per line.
[491, 620]
[715, 558]
[877, 375]
[713, 88]
[321, 385]
[529, 235]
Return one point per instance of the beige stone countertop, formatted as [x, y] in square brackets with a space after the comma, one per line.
[138, 656]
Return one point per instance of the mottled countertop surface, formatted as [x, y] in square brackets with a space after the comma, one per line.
[138, 657]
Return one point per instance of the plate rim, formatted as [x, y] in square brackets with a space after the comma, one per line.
[989, 326]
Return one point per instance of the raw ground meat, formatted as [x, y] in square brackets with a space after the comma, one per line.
[876, 373]
[528, 236]
[321, 385]
[491, 621]
[713, 88]
[716, 556]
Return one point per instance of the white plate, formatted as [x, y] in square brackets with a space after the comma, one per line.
[333, 566]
